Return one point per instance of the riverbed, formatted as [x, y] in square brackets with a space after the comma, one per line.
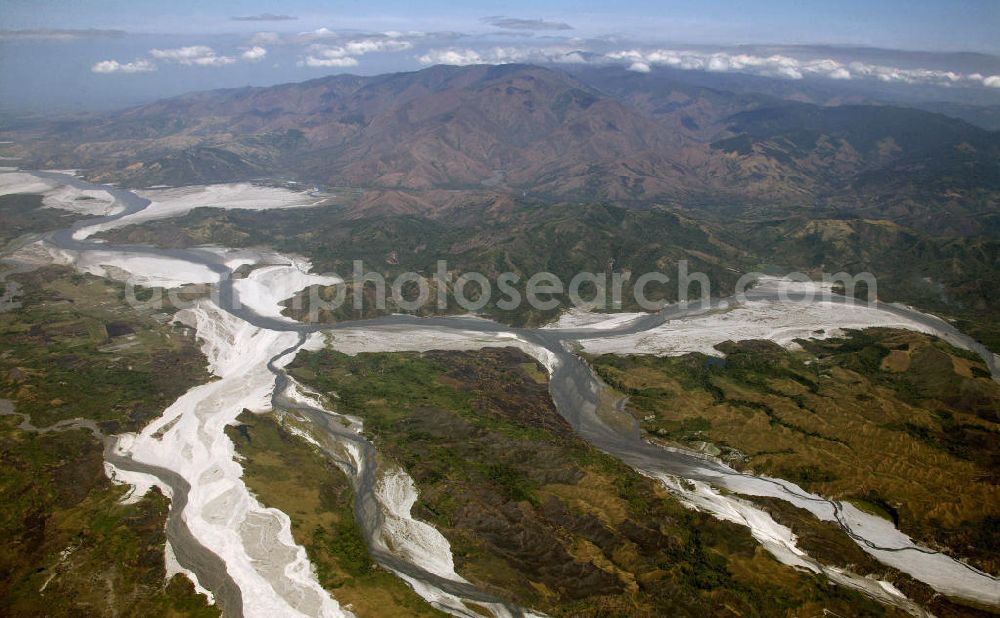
[243, 553]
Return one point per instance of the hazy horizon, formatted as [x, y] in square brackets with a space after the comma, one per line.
[86, 58]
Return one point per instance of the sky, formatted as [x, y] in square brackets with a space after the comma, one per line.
[79, 54]
[930, 25]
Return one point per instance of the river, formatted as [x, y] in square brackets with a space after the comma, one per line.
[575, 391]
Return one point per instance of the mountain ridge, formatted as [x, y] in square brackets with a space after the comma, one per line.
[526, 129]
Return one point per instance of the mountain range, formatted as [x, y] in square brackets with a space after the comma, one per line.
[597, 134]
[792, 178]
[502, 464]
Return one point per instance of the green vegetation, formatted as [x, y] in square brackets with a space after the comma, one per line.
[924, 171]
[287, 473]
[77, 349]
[525, 239]
[953, 276]
[900, 423]
[537, 515]
[69, 547]
[826, 542]
[22, 213]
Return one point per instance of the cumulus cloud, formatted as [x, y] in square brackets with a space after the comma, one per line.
[783, 66]
[502, 55]
[113, 66]
[337, 36]
[325, 48]
[367, 46]
[192, 55]
[345, 54]
[254, 53]
[319, 61]
[458, 57]
[265, 17]
[514, 23]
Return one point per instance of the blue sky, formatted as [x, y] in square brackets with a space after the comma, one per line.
[967, 25]
[50, 62]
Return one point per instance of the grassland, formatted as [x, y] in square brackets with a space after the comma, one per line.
[535, 514]
[900, 423]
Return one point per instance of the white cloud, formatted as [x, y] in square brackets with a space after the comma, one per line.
[182, 53]
[367, 46]
[313, 61]
[501, 55]
[193, 55]
[212, 61]
[778, 65]
[460, 57]
[345, 55]
[254, 53]
[113, 66]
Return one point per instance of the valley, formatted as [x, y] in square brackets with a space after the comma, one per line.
[167, 428]
[751, 455]
[534, 513]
